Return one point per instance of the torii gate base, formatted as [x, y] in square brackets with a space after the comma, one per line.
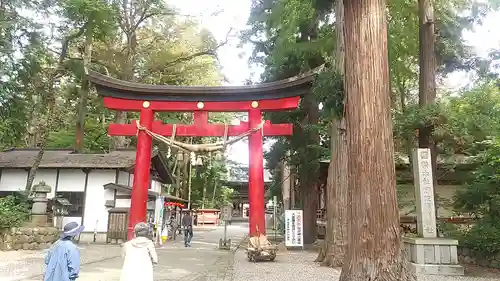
[148, 99]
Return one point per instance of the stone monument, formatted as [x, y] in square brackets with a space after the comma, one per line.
[40, 200]
[429, 254]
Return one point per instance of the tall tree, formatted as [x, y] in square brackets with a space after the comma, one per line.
[427, 81]
[99, 19]
[308, 174]
[375, 250]
[87, 22]
[284, 52]
[337, 190]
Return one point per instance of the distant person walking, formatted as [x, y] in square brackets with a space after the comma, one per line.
[139, 256]
[63, 258]
[187, 224]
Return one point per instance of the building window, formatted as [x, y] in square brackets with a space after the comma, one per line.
[77, 202]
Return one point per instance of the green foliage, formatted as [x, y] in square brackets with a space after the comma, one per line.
[414, 117]
[13, 212]
[474, 116]
[481, 198]
[98, 16]
[484, 237]
[459, 123]
[208, 190]
[12, 116]
[95, 138]
[328, 86]
[168, 52]
[292, 37]
[224, 197]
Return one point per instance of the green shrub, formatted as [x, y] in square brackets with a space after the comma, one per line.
[13, 212]
[451, 230]
[484, 237]
[481, 199]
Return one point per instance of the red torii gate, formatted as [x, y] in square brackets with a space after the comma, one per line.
[148, 99]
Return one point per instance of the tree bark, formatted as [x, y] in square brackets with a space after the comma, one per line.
[334, 249]
[427, 82]
[333, 252]
[375, 250]
[310, 170]
[84, 93]
[427, 78]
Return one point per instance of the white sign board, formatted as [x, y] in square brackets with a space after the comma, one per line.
[226, 213]
[294, 235]
[159, 210]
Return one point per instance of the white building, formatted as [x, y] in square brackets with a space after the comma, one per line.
[95, 184]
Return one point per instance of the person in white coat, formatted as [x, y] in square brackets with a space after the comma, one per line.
[139, 256]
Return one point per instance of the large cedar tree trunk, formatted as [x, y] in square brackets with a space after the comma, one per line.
[427, 81]
[309, 171]
[333, 251]
[375, 250]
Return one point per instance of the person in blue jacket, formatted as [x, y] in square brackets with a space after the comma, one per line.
[63, 258]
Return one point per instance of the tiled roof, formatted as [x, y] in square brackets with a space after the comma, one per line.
[24, 158]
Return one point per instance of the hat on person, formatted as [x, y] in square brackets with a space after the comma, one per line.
[72, 229]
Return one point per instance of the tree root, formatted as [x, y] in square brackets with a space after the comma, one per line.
[321, 254]
[368, 269]
[332, 260]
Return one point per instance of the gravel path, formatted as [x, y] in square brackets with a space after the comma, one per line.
[201, 262]
[298, 265]
[20, 265]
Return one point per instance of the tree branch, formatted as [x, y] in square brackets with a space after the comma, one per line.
[93, 61]
[210, 52]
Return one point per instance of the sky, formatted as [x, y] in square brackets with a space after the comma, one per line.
[234, 60]
[230, 14]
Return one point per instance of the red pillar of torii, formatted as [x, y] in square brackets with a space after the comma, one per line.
[148, 99]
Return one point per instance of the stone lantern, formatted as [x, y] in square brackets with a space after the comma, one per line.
[39, 209]
[60, 210]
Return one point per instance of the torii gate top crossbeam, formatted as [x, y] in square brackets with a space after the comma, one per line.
[119, 89]
[188, 106]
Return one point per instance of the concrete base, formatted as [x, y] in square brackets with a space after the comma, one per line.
[433, 256]
[437, 269]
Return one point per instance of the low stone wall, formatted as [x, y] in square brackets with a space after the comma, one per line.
[28, 238]
[468, 256]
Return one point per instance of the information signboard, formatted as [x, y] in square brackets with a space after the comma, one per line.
[226, 213]
[294, 236]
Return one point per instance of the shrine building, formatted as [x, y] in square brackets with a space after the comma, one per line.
[96, 185]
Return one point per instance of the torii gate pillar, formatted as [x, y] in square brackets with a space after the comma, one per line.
[139, 194]
[256, 200]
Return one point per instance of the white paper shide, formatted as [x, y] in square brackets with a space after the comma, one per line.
[294, 236]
